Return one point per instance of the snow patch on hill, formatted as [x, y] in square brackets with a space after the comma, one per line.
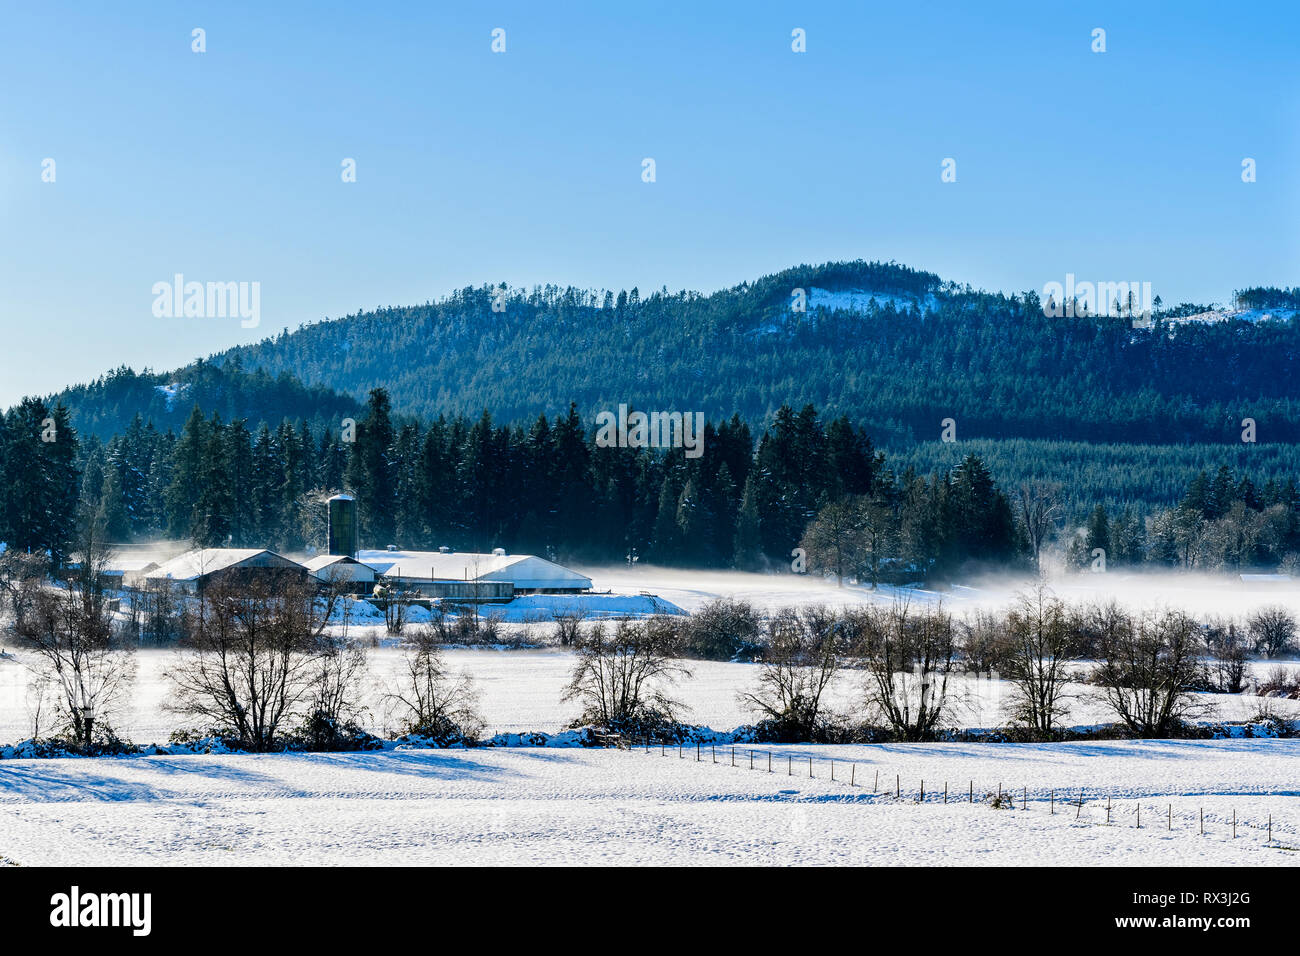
[860, 300]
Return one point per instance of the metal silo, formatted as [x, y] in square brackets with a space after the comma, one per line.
[343, 525]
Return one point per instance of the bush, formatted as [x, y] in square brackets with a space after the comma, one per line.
[1273, 629]
[723, 630]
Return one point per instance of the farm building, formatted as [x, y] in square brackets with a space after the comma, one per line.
[195, 571]
[510, 574]
[339, 568]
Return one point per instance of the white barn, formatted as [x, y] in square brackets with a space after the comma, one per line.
[527, 573]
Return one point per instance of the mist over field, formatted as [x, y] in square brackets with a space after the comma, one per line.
[1201, 595]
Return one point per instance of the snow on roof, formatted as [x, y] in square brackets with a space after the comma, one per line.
[193, 565]
[325, 560]
[523, 570]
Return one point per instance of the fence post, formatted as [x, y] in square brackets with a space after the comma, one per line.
[789, 765]
[810, 773]
[1108, 810]
[1080, 810]
[697, 751]
[1270, 828]
[1024, 801]
[853, 777]
[1053, 799]
[945, 791]
[922, 800]
[1171, 817]
[972, 791]
[1139, 814]
[898, 786]
[769, 761]
[876, 783]
[1202, 821]
[832, 769]
[1234, 823]
[733, 756]
[751, 760]
[713, 752]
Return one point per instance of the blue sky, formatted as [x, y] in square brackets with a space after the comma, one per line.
[525, 166]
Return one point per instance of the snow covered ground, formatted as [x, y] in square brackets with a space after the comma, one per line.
[542, 807]
[520, 691]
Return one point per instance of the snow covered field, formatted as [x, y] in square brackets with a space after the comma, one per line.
[540, 807]
[520, 691]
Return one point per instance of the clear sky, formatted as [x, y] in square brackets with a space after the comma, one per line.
[525, 166]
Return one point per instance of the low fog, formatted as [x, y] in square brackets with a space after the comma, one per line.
[1200, 595]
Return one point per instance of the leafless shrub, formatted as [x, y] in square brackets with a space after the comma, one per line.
[1229, 657]
[1281, 682]
[1039, 641]
[1273, 629]
[1148, 669]
[621, 674]
[568, 625]
[723, 630]
[86, 667]
[984, 646]
[803, 653]
[909, 657]
[432, 702]
[249, 667]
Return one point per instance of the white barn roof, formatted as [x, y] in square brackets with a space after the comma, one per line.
[193, 565]
[524, 571]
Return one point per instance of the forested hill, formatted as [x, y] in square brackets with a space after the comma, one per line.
[106, 406]
[894, 348]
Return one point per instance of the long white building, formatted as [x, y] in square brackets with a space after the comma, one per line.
[527, 573]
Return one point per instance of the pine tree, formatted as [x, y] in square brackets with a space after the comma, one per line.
[747, 550]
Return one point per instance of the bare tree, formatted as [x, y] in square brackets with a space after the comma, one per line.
[1038, 659]
[88, 668]
[984, 643]
[250, 663]
[1229, 659]
[1273, 629]
[621, 676]
[1148, 669]
[432, 702]
[909, 657]
[1038, 505]
[568, 625]
[803, 654]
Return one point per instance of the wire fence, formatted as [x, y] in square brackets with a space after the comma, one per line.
[1069, 802]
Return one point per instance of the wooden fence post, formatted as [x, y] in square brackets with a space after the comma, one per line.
[1080, 810]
